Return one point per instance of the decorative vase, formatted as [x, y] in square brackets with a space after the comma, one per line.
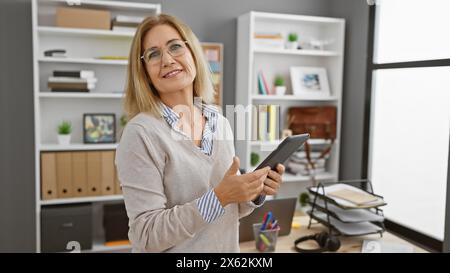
[280, 90]
[64, 139]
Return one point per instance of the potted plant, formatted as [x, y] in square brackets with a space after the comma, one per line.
[292, 41]
[280, 88]
[303, 199]
[64, 131]
[254, 158]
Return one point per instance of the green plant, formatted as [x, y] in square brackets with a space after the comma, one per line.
[303, 199]
[65, 128]
[279, 81]
[292, 37]
[254, 159]
[123, 120]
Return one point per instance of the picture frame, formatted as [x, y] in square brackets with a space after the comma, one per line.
[311, 82]
[99, 128]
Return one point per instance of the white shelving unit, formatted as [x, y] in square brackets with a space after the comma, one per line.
[252, 58]
[84, 48]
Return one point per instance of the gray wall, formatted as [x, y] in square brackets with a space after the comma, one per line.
[356, 13]
[17, 199]
[211, 20]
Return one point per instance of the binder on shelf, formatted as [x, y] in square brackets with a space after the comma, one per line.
[79, 171]
[94, 173]
[64, 174]
[118, 189]
[48, 176]
[107, 169]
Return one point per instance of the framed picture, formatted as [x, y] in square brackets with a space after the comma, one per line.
[99, 128]
[310, 81]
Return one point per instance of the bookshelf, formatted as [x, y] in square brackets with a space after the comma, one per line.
[85, 47]
[252, 58]
[85, 50]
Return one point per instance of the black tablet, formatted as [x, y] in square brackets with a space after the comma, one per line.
[286, 148]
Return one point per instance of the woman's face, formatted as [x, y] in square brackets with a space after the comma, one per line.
[168, 73]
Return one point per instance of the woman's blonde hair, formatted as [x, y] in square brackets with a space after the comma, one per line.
[140, 94]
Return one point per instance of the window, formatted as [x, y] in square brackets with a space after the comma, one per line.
[409, 90]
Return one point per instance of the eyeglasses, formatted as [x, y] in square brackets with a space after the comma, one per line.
[153, 55]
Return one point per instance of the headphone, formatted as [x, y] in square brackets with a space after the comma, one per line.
[325, 241]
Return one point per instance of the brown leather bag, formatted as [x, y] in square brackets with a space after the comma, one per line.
[318, 121]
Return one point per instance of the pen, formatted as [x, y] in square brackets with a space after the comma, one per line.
[274, 224]
[266, 220]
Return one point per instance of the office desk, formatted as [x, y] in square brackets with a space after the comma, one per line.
[348, 244]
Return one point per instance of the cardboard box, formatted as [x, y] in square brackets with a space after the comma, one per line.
[83, 18]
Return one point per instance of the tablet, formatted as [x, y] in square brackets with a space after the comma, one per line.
[286, 148]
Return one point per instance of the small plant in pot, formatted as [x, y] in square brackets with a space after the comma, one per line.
[280, 87]
[292, 41]
[64, 131]
[303, 199]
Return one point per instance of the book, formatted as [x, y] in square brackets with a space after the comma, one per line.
[262, 122]
[356, 197]
[261, 88]
[70, 86]
[127, 18]
[71, 80]
[55, 53]
[108, 57]
[74, 74]
[124, 29]
[266, 86]
[125, 24]
[272, 112]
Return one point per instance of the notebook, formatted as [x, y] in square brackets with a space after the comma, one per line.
[356, 197]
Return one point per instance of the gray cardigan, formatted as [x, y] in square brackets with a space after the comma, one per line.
[162, 174]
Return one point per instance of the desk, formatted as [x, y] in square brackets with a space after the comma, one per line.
[285, 244]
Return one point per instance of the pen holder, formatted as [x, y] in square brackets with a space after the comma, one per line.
[265, 240]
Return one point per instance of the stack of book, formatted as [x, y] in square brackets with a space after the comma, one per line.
[126, 23]
[72, 81]
[266, 123]
[268, 40]
[298, 163]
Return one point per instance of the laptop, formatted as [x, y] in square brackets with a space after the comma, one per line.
[282, 209]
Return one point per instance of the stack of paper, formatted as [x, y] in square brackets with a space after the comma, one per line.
[343, 193]
[351, 216]
[348, 229]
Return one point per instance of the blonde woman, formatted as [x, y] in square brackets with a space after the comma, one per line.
[175, 161]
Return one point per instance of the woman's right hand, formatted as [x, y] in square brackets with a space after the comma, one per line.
[236, 188]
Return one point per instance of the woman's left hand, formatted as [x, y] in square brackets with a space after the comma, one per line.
[273, 180]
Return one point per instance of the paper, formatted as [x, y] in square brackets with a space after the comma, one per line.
[349, 229]
[344, 203]
[351, 216]
[358, 198]
[377, 246]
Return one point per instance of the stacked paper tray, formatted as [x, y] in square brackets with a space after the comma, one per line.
[346, 229]
[348, 216]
